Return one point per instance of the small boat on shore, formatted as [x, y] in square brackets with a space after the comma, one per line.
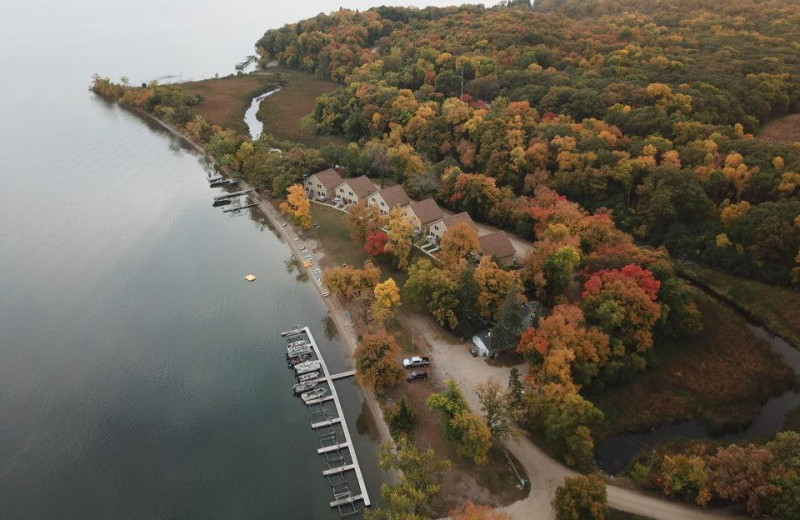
[308, 377]
[306, 367]
[305, 386]
[291, 332]
[311, 395]
[233, 182]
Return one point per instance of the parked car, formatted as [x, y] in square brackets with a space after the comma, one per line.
[417, 375]
[416, 361]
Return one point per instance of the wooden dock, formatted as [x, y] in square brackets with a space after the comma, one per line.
[348, 444]
[342, 375]
[323, 424]
[239, 208]
[234, 194]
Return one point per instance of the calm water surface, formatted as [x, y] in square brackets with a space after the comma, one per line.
[140, 376]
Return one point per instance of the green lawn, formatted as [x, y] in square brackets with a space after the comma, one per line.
[334, 237]
[778, 308]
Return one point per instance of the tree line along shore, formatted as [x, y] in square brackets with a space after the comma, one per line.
[607, 193]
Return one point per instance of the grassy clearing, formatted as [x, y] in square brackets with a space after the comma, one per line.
[225, 100]
[778, 308]
[719, 378]
[281, 112]
[493, 484]
[782, 130]
[334, 238]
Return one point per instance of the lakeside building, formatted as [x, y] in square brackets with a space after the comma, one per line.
[440, 227]
[355, 190]
[487, 344]
[497, 245]
[388, 198]
[423, 213]
[322, 185]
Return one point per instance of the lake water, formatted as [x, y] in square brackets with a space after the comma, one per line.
[140, 375]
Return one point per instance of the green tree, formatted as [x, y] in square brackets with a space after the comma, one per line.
[582, 498]
[465, 296]
[508, 321]
[558, 271]
[499, 411]
[400, 417]
[419, 473]
[686, 476]
[471, 434]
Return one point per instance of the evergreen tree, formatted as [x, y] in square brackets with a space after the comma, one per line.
[466, 310]
[508, 320]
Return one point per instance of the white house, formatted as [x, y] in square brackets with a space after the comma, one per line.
[322, 185]
[356, 189]
[388, 198]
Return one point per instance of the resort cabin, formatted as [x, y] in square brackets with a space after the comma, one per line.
[439, 228]
[423, 213]
[322, 185]
[498, 246]
[355, 190]
[388, 198]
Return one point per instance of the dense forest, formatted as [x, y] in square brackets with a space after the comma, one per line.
[644, 111]
[594, 129]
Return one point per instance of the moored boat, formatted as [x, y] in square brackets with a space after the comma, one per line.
[296, 360]
[299, 388]
[311, 395]
[291, 332]
[308, 377]
[297, 351]
[306, 367]
[296, 343]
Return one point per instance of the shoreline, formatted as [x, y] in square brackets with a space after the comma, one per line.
[335, 310]
[544, 472]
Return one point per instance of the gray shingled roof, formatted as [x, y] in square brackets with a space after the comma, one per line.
[329, 178]
[395, 196]
[496, 244]
[426, 211]
[361, 186]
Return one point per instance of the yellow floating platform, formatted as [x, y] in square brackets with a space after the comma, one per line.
[250, 278]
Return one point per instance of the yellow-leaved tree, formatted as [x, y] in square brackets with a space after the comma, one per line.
[297, 207]
[387, 299]
[401, 233]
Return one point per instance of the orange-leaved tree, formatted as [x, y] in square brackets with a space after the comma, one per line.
[297, 206]
[376, 367]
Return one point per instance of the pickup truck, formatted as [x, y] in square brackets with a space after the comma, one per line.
[416, 361]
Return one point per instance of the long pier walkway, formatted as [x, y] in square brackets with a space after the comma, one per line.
[234, 194]
[348, 443]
